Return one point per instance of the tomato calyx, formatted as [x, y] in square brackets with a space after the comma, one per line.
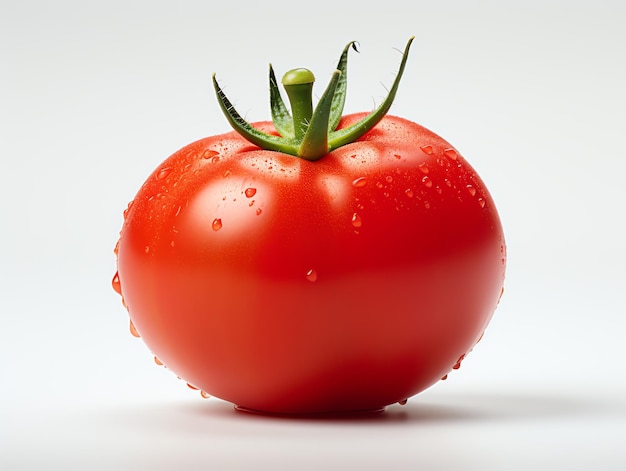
[309, 132]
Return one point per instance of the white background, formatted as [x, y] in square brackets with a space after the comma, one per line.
[94, 95]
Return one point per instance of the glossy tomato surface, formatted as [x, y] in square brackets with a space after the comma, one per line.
[289, 286]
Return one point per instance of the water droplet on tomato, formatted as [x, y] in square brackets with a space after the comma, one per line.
[397, 156]
[427, 149]
[408, 192]
[133, 330]
[147, 249]
[471, 190]
[211, 154]
[204, 394]
[423, 168]
[259, 211]
[444, 377]
[379, 185]
[130, 203]
[457, 365]
[216, 225]
[360, 182]
[250, 192]
[163, 173]
[426, 204]
[356, 220]
[191, 386]
[388, 178]
[450, 153]
[158, 362]
[427, 181]
[403, 402]
[481, 202]
[311, 275]
[117, 287]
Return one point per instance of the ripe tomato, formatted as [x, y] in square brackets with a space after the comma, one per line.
[286, 285]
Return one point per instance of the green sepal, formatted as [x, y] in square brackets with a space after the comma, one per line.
[352, 133]
[247, 131]
[315, 142]
[283, 122]
[339, 98]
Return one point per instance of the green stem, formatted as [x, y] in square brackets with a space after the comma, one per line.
[298, 84]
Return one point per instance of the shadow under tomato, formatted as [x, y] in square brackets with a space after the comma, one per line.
[203, 417]
[431, 409]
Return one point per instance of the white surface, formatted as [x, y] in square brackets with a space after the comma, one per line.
[92, 98]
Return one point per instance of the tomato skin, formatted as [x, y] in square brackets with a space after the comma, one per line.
[289, 286]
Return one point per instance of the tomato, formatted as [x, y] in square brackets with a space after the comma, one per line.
[288, 285]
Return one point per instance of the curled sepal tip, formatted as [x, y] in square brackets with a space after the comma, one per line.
[309, 132]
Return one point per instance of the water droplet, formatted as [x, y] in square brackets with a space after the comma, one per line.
[147, 249]
[211, 154]
[259, 211]
[204, 394]
[427, 181]
[424, 168]
[158, 362]
[133, 330]
[427, 149]
[163, 173]
[116, 249]
[311, 275]
[130, 204]
[388, 178]
[397, 156]
[356, 220]
[117, 287]
[499, 298]
[408, 192]
[426, 204]
[403, 402]
[250, 192]
[360, 182]
[471, 190]
[481, 202]
[216, 225]
[191, 386]
[457, 365]
[379, 185]
[444, 377]
[450, 153]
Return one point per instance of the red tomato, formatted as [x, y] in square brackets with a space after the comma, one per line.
[291, 286]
